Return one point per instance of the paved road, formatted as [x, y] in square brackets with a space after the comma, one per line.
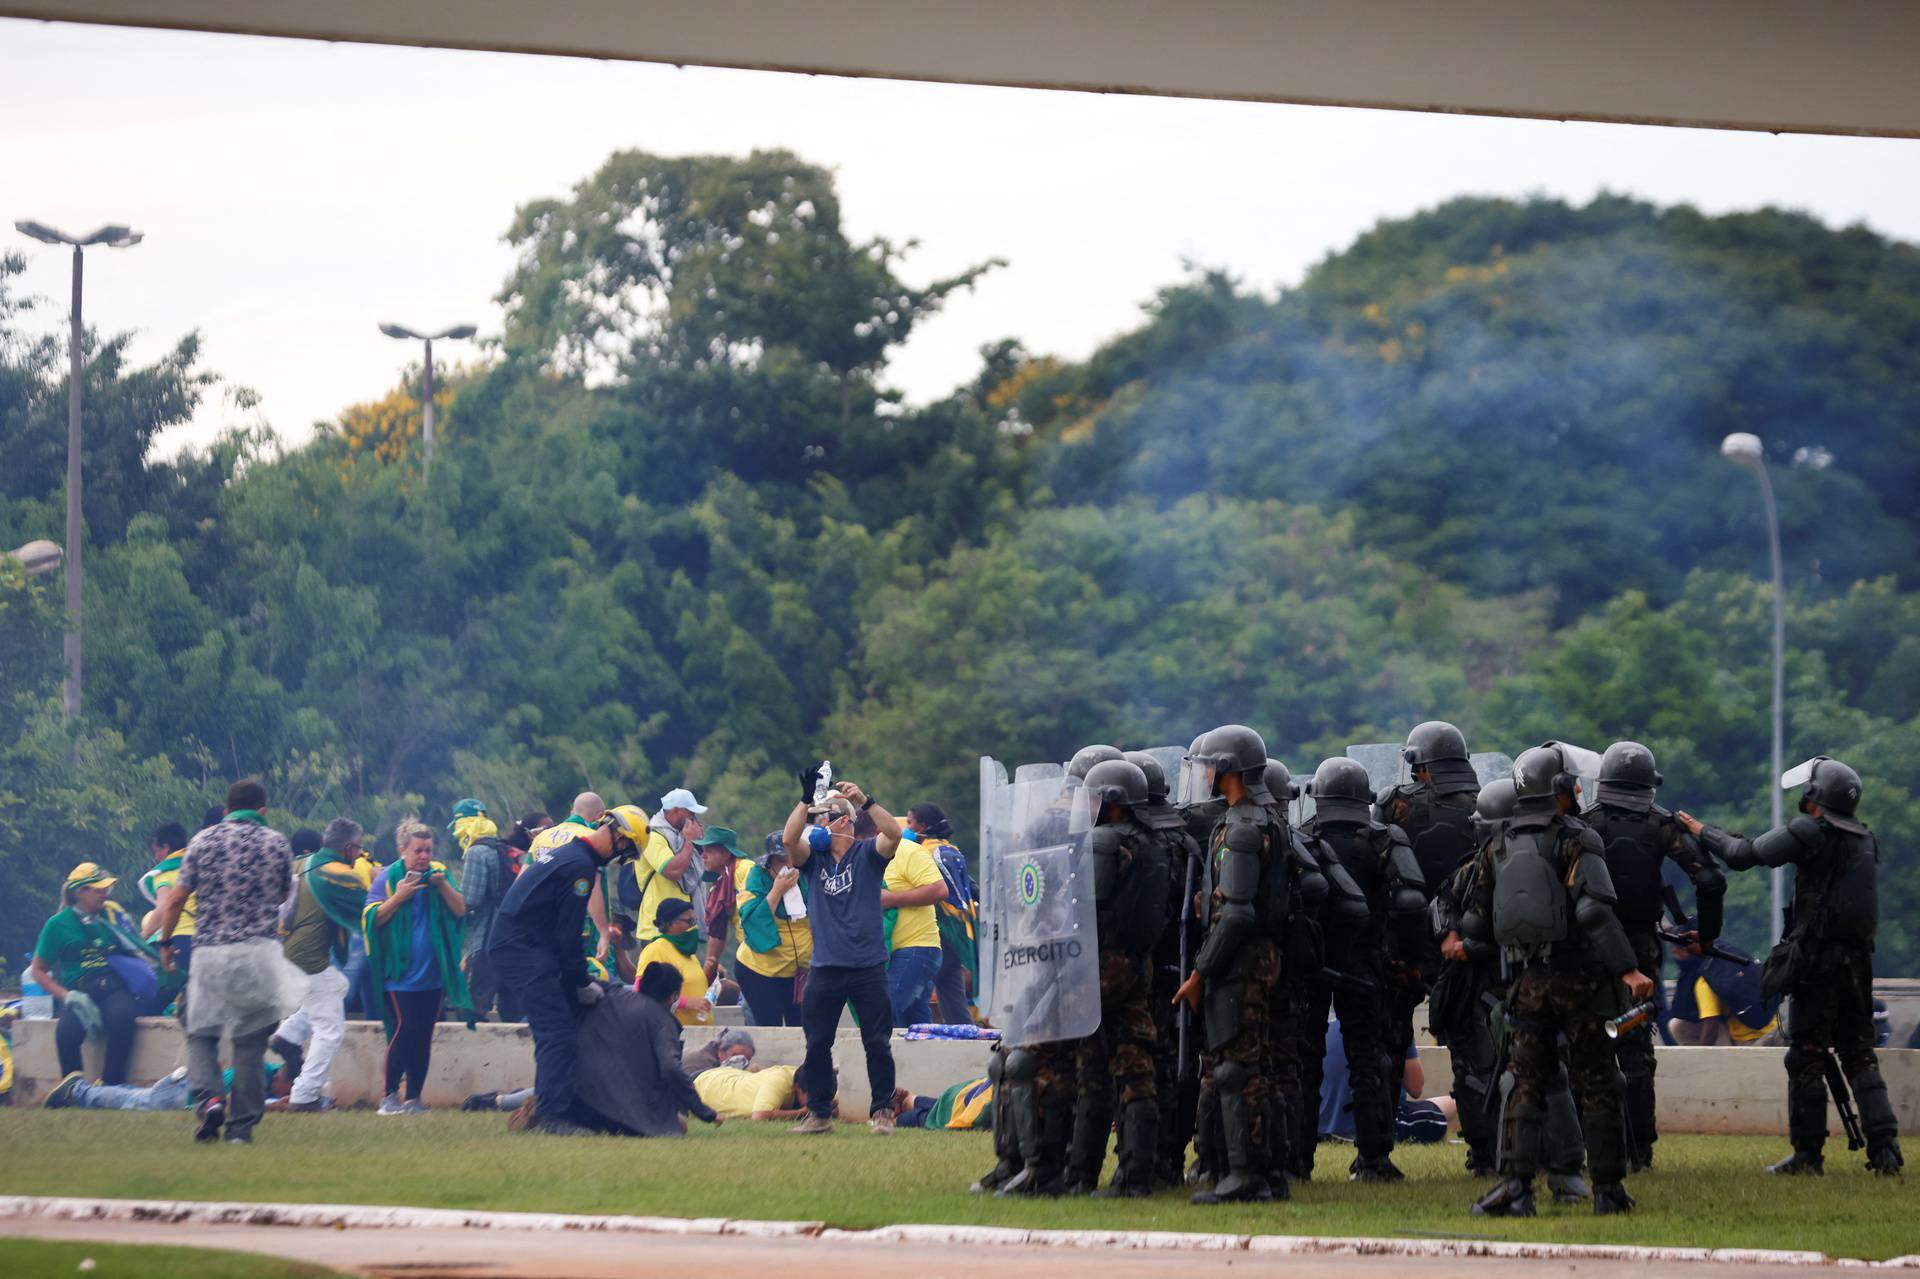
[499, 1254]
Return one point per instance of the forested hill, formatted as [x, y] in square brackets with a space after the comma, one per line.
[678, 531]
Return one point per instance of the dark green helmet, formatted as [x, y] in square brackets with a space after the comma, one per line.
[1280, 783]
[1629, 764]
[1116, 781]
[1234, 748]
[1552, 768]
[1829, 783]
[1156, 775]
[1496, 800]
[1087, 756]
[1434, 740]
[1341, 790]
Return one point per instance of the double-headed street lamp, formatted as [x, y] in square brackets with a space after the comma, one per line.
[407, 334]
[113, 237]
[1744, 451]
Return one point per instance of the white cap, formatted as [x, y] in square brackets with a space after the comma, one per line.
[681, 797]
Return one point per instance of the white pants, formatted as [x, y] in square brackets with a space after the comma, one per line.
[319, 1025]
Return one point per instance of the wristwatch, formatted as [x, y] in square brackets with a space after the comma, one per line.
[869, 804]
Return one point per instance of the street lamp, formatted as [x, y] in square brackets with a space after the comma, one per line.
[1744, 451]
[113, 236]
[407, 334]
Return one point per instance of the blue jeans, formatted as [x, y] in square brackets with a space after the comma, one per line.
[910, 977]
[170, 1093]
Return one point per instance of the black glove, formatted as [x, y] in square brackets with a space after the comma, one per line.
[809, 780]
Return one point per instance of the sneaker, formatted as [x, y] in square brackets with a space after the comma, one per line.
[813, 1125]
[240, 1137]
[212, 1116]
[307, 1107]
[481, 1101]
[392, 1105]
[62, 1094]
[413, 1106]
[880, 1124]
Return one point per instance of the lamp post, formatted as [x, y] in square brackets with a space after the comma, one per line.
[407, 334]
[114, 237]
[1744, 451]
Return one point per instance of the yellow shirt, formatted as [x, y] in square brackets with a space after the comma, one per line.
[693, 979]
[647, 870]
[795, 950]
[554, 838]
[739, 1094]
[912, 867]
[161, 883]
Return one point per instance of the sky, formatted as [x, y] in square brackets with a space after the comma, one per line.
[295, 194]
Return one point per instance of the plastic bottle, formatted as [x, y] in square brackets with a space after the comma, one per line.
[35, 1002]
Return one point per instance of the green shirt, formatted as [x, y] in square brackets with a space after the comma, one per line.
[74, 948]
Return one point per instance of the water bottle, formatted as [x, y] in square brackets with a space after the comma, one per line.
[35, 1001]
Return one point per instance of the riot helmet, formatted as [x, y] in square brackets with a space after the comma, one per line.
[1628, 777]
[1342, 791]
[1111, 781]
[1550, 769]
[1087, 756]
[1156, 776]
[1832, 785]
[1439, 747]
[1280, 783]
[1496, 801]
[1231, 748]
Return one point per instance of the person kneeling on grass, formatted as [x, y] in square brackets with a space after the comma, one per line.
[627, 1079]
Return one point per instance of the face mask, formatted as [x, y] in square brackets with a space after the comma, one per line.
[686, 943]
[819, 839]
[737, 1063]
[910, 834]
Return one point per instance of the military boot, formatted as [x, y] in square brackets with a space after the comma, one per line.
[1510, 1197]
[1087, 1153]
[1611, 1197]
[1565, 1144]
[1800, 1164]
[1878, 1122]
[1807, 1129]
[1373, 1137]
[1568, 1187]
[1246, 1178]
[1139, 1145]
[1006, 1145]
[1641, 1132]
[1046, 1167]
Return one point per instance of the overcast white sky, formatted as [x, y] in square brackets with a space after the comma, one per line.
[294, 194]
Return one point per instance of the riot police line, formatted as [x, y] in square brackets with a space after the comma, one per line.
[1522, 900]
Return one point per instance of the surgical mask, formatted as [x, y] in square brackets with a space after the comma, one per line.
[737, 1063]
[686, 943]
[909, 833]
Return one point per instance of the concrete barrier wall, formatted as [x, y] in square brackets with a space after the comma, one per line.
[1711, 1090]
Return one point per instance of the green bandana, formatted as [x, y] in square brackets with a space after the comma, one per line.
[686, 943]
[249, 815]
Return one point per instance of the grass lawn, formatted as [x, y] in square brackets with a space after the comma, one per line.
[1706, 1191]
[37, 1259]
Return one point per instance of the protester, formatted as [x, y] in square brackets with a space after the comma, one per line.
[665, 868]
[630, 1078]
[719, 854]
[325, 914]
[486, 871]
[731, 1047]
[958, 915]
[412, 925]
[238, 871]
[844, 877]
[169, 1093]
[72, 960]
[912, 887]
[772, 1093]
[169, 846]
[539, 949]
[676, 942]
[1416, 1121]
[776, 940]
[966, 1106]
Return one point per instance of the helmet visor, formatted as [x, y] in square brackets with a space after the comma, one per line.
[1196, 780]
[1800, 774]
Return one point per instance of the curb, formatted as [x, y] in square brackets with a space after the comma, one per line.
[365, 1217]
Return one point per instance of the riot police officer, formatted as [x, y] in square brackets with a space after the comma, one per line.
[1037, 1106]
[1375, 916]
[1469, 982]
[1235, 975]
[1638, 835]
[1114, 1065]
[1176, 1073]
[1297, 1044]
[1549, 900]
[1435, 810]
[1824, 962]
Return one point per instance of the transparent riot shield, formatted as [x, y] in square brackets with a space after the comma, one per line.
[1383, 763]
[1490, 766]
[1037, 918]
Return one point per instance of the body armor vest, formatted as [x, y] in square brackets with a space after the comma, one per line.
[1529, 896]
[1635, 844]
